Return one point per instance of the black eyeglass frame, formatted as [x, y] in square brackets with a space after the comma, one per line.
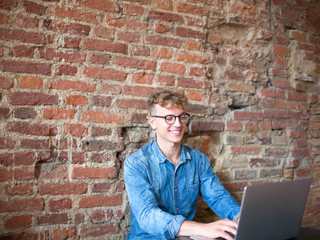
[175, 117]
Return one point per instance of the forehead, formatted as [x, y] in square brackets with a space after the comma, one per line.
[175, 110]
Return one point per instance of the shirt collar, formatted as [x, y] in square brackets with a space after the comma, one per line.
[185, 155]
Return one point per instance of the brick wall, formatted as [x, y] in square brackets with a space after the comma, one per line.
[74, 80]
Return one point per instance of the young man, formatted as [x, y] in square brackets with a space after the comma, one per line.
[164, 178]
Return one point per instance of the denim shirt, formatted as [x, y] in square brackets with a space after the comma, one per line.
[163, 195]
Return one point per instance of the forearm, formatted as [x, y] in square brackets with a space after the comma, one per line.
[189, 228]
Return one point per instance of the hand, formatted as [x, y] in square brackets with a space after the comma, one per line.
[209, 230]
[220, 228]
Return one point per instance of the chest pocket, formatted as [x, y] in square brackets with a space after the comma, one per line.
[192, 194]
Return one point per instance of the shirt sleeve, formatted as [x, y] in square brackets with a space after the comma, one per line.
[144, 205]
[214, 194]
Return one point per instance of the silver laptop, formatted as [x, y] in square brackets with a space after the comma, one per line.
[273, 211]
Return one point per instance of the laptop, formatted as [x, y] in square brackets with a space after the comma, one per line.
[272, 211]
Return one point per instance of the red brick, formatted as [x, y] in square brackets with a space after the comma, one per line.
[250, 126]
[192, 9]
[104, 73]
[249, 150]
[6, 83]
[8, 4]
[240, 87]
[191, 83]
[282, 124]
[280, 50]
[59, 172]
[22, 221]
[115, 22]
[166, 80]
[22, 36]
[141, 51]
[30, 129]
[64, 27]
[143, 78]
[94, 173]
[240, 116]
[60, 204]
[138, 91]
[100, 59]
[297, 96]
[18, 158]
[26, 22]
[270, 93]
[65, 69]
[193, 45]
[25, 67]
[53, 219]
[23, 51]
[18, 205]
[4, 19]
[189, 33]
[34, 144]
[101, 117]
[301, 36]
[66, 188]
[75, 14]
[30, 82]
[135, 25]
[52, 54]
[100, 201]
[96, 231]
[63, 233]
[19, 189]
[77, 130]
[287, 105]
[102, 45]
[70, 42]
[32, 98]
[233, 126]
[102, 5]
[207, 126]
[128, 37]
[188, 57]
[4, 112]
[101, 101]
[163, 41]
[132, 103]
[164, 16]
[135, 63]
[161, 28]
[76, 100]
[163, 53]
[72, 85]
[101, 187]
[5, 174]
[58, 113]
[105, 33]
[164, 5]
[113, 89]
[36, 8]
[132, 10]
[172, 67]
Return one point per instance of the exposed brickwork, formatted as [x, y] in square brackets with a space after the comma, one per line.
[74, 80]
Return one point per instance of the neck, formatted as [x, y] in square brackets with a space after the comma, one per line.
[171, 151]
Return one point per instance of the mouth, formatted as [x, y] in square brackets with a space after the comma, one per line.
[176, 132]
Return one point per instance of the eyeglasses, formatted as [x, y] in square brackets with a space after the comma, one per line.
[171, 119]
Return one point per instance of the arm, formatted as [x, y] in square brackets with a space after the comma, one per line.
[215, 195]
[143, 202]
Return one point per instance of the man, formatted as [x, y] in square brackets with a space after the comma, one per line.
[164, 178]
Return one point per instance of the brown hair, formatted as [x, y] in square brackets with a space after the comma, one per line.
[167, 99]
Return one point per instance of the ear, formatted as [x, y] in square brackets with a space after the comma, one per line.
[152, 123]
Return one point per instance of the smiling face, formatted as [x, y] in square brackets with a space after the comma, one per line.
[167, 134]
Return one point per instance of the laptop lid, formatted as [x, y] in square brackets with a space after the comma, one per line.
[273, 210]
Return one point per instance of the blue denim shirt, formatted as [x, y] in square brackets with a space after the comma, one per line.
[163, 195]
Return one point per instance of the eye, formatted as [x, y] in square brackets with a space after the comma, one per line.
[170, 118]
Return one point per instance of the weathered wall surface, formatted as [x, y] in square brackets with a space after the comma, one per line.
[75, 76]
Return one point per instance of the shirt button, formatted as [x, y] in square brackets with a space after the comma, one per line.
[175, 190]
